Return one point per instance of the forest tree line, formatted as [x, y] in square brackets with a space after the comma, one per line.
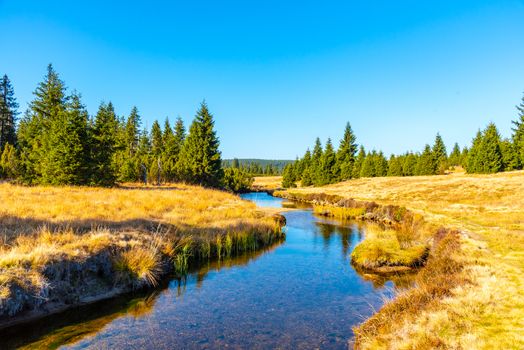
[488, 153]
[257, 167]
[56, 142]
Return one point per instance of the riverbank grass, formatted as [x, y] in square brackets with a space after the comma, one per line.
[64, 245]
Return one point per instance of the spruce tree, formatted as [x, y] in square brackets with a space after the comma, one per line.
[472, 161]
[66, 162]
[490, 155]
[327, 172]
[395, 166]
[200, 161]
[9, 162]
[346, 153]
[518, 135]
[509, 155]
[35, 128]
[440, 154]
[315, 162]
[409, 164]
[103, 146]
[380, 164]
[454, 156]
[305, 177]
[131, 169]
[8, 113]
[426, 164]
[368, 165]
[288, 176]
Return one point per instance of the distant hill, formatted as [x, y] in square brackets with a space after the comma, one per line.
[260, 166]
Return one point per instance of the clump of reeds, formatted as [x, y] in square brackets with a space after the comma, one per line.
[140, 264]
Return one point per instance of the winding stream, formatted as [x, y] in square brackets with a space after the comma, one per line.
[302, 293]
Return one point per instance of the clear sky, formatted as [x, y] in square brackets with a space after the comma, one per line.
[276, 74]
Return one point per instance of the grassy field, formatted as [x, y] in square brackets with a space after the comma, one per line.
[267, 183]
[487, 312]
[68, 244]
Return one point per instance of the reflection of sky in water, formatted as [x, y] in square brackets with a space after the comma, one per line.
[300, 294]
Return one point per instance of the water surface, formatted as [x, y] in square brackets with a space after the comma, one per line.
[302, 293]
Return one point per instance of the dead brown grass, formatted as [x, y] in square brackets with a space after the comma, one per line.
[488, 210]
[267, 183]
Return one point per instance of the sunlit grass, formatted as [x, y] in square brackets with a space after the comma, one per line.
[483, 307]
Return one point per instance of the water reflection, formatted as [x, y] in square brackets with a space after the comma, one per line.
[302, 293]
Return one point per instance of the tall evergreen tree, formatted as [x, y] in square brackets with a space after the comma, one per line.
[327, 172]
[306, 177]
[35, 128]
[409, 164]
[454, 156]
[66, 162]
[490, 155]
[8, 113]
[9, 162]
[472, 162]
[200, 160]
[395, 166]
[103, 146]
[359, 160]
[368, 165]
[315, 161]
[346, 153]
[288, 176]
[426, 164]
[440, 154]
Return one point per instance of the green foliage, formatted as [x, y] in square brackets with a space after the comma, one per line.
[327, 171]
[237, 180]
[426, 164]
[490, 154]
[518, 136]
[9, 162]
[103, 146]
[8, 113]
[359, 161]
[288, 177]
[455, 156]
[395, 166]
[346, 153]
[199, 160]
[440, 155]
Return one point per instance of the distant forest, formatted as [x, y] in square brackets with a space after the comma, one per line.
[258, 167]
[488, 153]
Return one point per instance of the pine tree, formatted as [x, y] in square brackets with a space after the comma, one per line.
[66, 162]
[288, 176]
[357, 167]
[368, 165]
[409, 164]
[472, 161]
[200, 161]
[440, 154]
[315, 162]
[130, 167]
[395, 166]
[490, 155]
[305, 177]
[103, 146]
[8, 113]
[35, 128]
[327, 172]
[455, 155]
[509, 155]
[518, 135]
[346, 153]
[426, 164]
[380, 164]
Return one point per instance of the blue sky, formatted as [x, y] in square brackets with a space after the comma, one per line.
[276, 74]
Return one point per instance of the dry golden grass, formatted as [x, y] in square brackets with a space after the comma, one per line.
[267, 183]
[487, 313]
[131, 231]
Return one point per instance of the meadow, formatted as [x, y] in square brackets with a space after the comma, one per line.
[471, 293]
[64, 246]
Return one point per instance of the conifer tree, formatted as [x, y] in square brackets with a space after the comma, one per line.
[395, 166]
[35, 128]
[200, 160]
[130, 168]
[472, 162]
[509, 155]
[327, 172]
[305, 177]
[346, 153]
[288, 176]
[315, 161]
[381, 164]
[409, 164]
[518, 135]
[103, 146]
[426, 164]
[8, 113]
[439, 154]
[454, 156]
[490, 155]
[66, 162]
[368, 165]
